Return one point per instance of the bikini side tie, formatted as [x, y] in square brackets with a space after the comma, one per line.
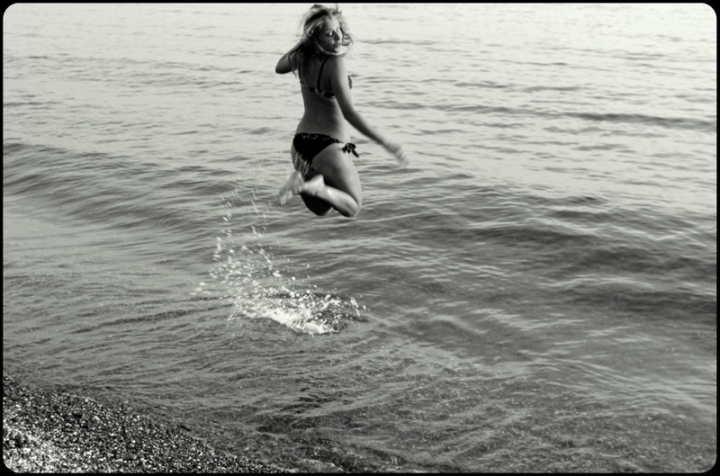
[350, 148]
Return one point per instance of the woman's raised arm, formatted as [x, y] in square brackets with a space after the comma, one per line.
[339, 82]
[284, 65]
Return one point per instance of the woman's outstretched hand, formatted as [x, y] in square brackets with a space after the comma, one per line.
[398, 151]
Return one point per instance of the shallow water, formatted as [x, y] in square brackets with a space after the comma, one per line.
[535, 292]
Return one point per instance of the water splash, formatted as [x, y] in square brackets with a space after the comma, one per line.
[245, 274]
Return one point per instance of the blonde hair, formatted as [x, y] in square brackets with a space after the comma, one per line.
[311, 21]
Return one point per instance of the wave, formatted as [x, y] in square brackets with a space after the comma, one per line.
[634, 258]
[111, 189]
[528, 89]
[391, 41]
[32, 104]
[667, 122]
[620, 118]
[634, 297]
[135, 73]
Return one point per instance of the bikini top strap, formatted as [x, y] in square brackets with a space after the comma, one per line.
[320, 72]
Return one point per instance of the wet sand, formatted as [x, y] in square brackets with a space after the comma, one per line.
[56, 431]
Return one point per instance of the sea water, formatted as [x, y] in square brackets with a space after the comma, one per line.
[536, 291]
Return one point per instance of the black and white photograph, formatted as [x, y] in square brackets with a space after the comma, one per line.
[359, 237]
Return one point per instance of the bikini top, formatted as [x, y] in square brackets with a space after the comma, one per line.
[327, 94]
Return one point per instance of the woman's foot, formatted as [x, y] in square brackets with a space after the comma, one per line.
[313, 186]
[294, 181]
[295, 185]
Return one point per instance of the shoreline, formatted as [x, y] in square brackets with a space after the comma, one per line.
[48, 430]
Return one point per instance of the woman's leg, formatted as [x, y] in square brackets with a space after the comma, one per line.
[320, 198]
[294, 185]
[316, 205]
[337, 182]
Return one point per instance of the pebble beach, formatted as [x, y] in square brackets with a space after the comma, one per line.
[59, 432]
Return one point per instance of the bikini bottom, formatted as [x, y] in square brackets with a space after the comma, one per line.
[308, 146]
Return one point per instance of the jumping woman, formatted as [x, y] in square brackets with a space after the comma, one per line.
[325, 176]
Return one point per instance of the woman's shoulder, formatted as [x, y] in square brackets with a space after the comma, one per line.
[336, 63]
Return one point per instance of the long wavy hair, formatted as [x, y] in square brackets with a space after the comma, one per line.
[308, 46]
